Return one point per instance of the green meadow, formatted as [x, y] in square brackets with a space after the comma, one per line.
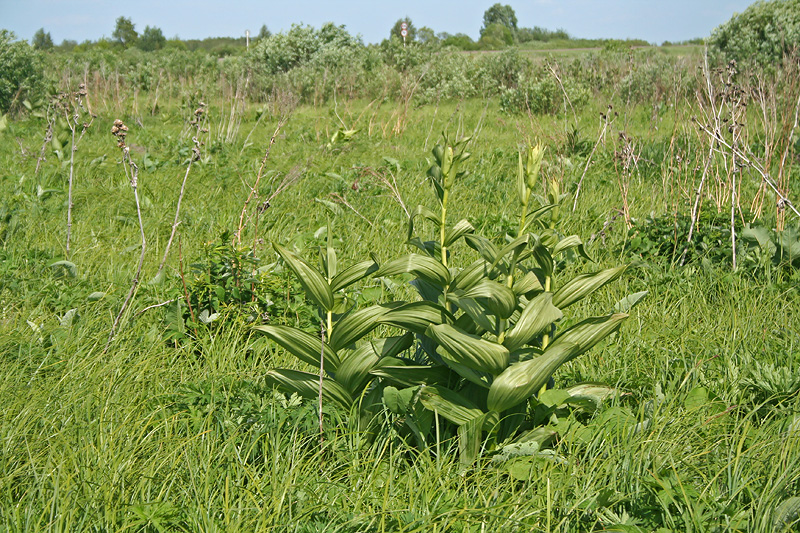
[185, 397]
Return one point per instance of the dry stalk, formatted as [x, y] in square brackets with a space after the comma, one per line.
[254, 188]
[607, 119]
[120, 131]
[196, 122]
[72, 115]
[48, 136]
[628, 158]
[390, 184]
[338, 198]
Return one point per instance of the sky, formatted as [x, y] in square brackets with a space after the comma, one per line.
[655, 21]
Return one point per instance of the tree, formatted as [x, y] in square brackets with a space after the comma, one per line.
[412, 32]
[500, 14]
[42, 40]
[496, 36]
[264, 32]
[125, 32]
[67, 45]
[425, 35]
[151, 39]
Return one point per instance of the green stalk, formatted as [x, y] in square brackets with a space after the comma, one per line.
[546, 336]
[443, 227]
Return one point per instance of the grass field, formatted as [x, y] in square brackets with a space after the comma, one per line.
[171, 425]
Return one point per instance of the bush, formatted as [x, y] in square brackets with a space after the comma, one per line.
[331, 46]
[761, 35]
[543, 95]
[21, 73]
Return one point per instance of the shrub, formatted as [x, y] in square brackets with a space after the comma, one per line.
[21, 72]
[543, 95]
[761, 35]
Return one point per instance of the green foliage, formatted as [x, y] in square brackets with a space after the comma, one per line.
[759, 249]
[42, 40]
[483, 332]
[461, 41]
[228, 284]
[264, 32]
[761, 35]
[544, 95]
[125, 32]
[21, 72]
[151, 39]
[331, 46]
[500, 14]
[536, 33]
[496, 36]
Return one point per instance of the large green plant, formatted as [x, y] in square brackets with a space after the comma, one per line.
[761, 35]
[484, 336]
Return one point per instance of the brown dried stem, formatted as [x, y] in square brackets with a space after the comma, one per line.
[120, 130]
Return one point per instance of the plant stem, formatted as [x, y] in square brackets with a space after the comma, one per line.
[195, 156]
[443, 227]
[135, 283]
[69, 193]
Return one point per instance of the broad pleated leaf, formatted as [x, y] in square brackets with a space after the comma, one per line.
[581, 286]
[352, 274]
[355, 325]
[786, 514]
[330, 264]
[307, 386]
[449, 404]
[629, 302]
[353, 372]
[587, 333]
[573, 241]
[521, 380]
[515, 246]
[408, 376]
[535, 318]
[66, 266]
[471, 275]
[469, 438]
[422, 266]
[535, 216]
[454, 233]
[527, 283]
[426, 213]
[302, 345]
[416, 316]
[431, 248]
[392, 346]
[475, 311]
[543, 259]
[482, 379]
[470, 350]
[499, 298]
[314, 284]
[486, 248]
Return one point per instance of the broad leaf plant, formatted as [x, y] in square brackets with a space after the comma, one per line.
[479, 346]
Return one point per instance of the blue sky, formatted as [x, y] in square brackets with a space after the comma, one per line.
[652, 20]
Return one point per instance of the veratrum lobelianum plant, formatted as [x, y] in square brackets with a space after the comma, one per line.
[479, 345]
